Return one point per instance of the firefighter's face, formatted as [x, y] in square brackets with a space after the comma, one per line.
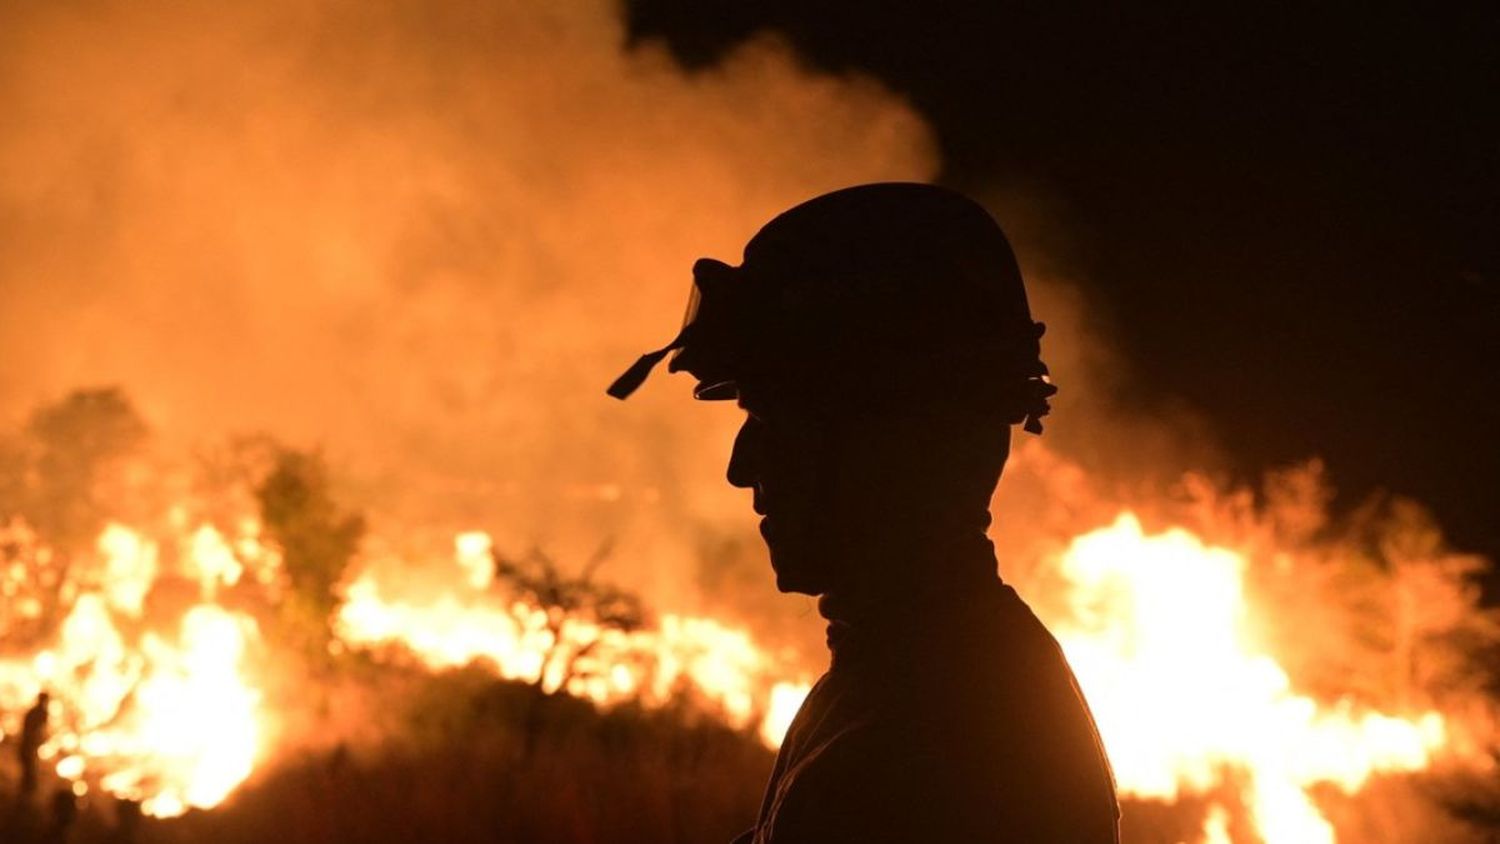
[845, 498]
[790, 462]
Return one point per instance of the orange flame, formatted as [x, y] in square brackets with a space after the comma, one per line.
[722, 665]
[1158, 627]
[169, 720]
[1160, 640]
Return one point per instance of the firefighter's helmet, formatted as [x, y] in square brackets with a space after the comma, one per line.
[876, 296]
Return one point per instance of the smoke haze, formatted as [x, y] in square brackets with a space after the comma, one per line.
[425, 236]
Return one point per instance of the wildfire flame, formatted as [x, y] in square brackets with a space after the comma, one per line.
[1158, 626]
[721, 664]
[1159, 631]
[164, 717]
[1160, 639]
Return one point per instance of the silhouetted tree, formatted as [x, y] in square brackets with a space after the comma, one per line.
[317, 538]
[14, 470]
[60, 482]
[72, 443]
[573, 604]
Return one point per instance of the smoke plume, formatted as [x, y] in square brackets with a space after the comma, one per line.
[423, 236]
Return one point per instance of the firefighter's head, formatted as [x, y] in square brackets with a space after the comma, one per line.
[880, 341]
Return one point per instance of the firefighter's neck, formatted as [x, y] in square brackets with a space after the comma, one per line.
[898, 583]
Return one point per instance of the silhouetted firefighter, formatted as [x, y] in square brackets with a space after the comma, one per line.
[128, 821]
[33, 733]
[64, 813]
[880, 341]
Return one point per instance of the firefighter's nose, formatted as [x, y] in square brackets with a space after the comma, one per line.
[744, 459]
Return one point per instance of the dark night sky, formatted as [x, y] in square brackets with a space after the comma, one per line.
[1290, 214]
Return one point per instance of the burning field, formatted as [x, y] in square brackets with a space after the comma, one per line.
[1258, 673]
[315, 523]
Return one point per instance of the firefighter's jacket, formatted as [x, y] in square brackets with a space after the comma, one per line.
[953, 723]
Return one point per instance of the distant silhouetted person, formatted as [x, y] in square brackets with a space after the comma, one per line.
[127, 822]
[880, 341]
[33, 734]
[64, 813]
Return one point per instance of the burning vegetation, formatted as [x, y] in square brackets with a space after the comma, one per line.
[1258, 673]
